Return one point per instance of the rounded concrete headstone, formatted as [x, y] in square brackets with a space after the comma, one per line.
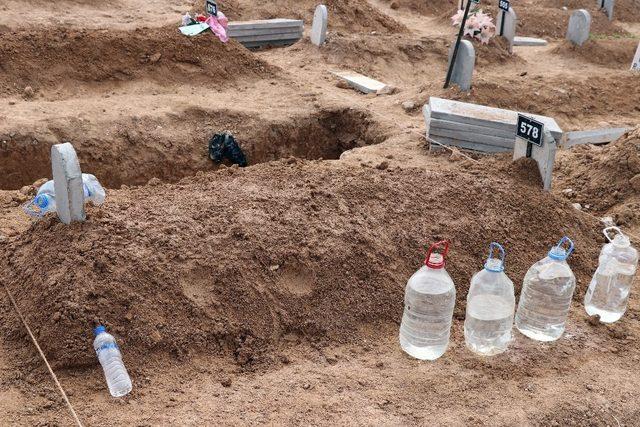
[510, 24]
[319, 27]
[579, 27]
[67, 183]
[462, 73]
[607, 5]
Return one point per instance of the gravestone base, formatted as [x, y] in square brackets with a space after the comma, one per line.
[545, 156]
[67, 182]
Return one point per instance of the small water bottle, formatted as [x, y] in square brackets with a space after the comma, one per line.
[490, 306]
[110, 358]
[608, 293]
[546, 295]
[429, 299]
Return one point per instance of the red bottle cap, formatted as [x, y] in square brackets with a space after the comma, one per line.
[436, 260]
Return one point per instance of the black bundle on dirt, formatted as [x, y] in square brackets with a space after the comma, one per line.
[223, 145]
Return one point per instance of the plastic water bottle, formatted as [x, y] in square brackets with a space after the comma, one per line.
[111, 360]
[490, 306]
[45, 200]
[546, 295]
[608, 292]
[429, 299]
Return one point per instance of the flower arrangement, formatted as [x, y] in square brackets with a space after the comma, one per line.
[478, 25]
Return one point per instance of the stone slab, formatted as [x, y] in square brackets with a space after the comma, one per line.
[469, 145]
[358, 81]
[269, 37]
[462, 73]
[475, 114]
[607, 5]
[579, 27]
[319, 26]
[471, 128]
[528, 41]
[596, 136]
[67, 182]
[265, 23]
[510, 24]
[493, 141]
[544, 156]
[264, 31]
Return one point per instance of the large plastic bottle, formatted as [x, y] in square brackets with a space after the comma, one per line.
[429, 300]
[546, 295]
[490, 306]
[110, 358]
[45, 200]
[608, 292]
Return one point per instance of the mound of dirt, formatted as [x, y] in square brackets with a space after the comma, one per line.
[51, 59]
[352, 15]
[241, 261]
[432, 7]
[495, 53]
[617, 53]
[604, 177]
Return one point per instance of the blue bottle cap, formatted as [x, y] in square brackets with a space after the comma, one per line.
[99, 329]
[558, 252]
[495, 265]
[41, 201]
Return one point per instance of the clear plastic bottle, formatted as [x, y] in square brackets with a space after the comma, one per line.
[429, 299]
[490, 306]
[608, 293]
[110, 358]
[546, 295]
[45, 200]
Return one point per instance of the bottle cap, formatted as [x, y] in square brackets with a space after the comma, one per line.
[495, 265]
[41, 201]
[558, 252]
[436, 260]
[620, 240]
[99, 329]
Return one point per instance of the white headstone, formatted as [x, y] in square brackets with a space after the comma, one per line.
[635, 65]
[545, 156]
[579, 27]
[510, 24]
[319, 28]
[67, 182]
[462, 73]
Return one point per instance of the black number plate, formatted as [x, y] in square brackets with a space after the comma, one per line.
[212, 8]
[530, 130]
[504, 5]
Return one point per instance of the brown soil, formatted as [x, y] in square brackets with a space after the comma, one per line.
[272, 294]
[607, 53]
[602, 178]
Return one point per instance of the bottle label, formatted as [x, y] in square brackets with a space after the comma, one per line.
[107, 346]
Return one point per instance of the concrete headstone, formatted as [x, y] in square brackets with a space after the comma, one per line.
[635, 65]
[509, 28]
[67, 181]
[462, 73]
[319, 28]
[579, 27]
[545, 156]
[607, 5]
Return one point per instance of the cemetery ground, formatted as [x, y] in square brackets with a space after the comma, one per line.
[273, 293]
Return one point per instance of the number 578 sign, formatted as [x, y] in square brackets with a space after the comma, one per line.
[530, 130]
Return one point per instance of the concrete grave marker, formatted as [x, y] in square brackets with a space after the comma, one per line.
[359, 82]
[319, 28]
[635, 65]
[545, 155]
[67, 181]
[528, 41]
[607, 5]
[462, 73]
[509, 27]
[579, 27]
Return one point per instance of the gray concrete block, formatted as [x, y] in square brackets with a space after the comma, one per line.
[468, 145]
[596, 136]
[462, 73]
[579, 27]
[319, 27]
[269, 37]
[528, 41]
[265, 23]
[472, 128]
[607, 5]
[264, 31]
[480, 115]
[67, 181]
[493, 141]
[545, 156]
[358, 81]
[510, 24]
